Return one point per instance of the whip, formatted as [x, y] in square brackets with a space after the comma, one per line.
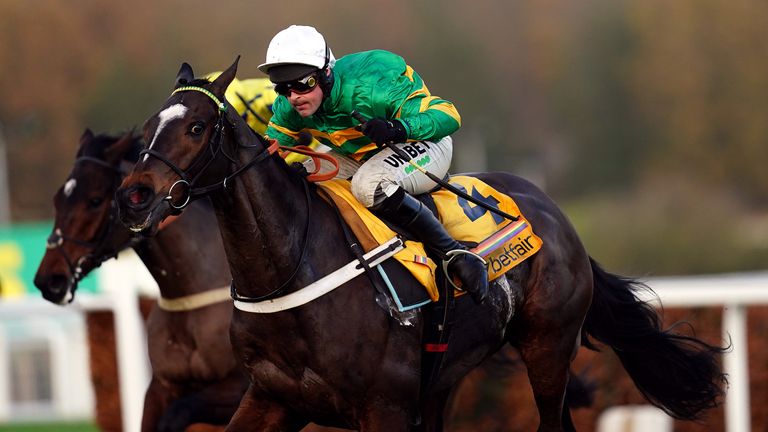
[444, 184]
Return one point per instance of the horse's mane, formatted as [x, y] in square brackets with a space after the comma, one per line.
[102, 142]
[198, 82]
[137, 145]
[292, 169]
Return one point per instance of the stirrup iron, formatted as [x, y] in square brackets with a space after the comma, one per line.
[450, 256]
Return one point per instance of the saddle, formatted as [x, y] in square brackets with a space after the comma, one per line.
[501, 242]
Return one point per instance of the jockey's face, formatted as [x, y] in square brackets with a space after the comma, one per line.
[306, 104]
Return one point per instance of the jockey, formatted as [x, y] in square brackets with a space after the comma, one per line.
[318, 93]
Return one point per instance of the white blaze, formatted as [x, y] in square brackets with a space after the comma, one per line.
[171, 113]
[69, 187]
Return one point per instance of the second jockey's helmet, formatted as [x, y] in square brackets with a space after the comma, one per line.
[296, 52]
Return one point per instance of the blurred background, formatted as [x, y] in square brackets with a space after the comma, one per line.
[644, 119]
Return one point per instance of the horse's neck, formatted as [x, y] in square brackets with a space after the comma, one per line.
[186, 256]
[262, 219]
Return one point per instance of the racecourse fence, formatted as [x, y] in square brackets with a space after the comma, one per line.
[52, 342]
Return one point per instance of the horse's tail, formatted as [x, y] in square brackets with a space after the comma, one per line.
[679, 374]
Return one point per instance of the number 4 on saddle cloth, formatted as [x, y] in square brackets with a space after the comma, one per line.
[501, 242]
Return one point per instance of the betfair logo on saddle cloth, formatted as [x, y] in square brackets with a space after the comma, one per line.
[503, 243]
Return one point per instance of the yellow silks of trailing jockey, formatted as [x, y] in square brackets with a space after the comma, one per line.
[253, 98]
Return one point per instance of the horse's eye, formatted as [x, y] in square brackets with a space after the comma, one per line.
[197, 129]
[95, 202]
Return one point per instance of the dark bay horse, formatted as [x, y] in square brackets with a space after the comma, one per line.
[341, 359]
[195, 376]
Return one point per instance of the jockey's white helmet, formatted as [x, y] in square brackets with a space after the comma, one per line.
[297, 45]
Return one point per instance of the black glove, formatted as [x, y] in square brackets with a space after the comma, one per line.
[383, 131]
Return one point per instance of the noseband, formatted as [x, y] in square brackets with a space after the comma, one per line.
[216, 148]
[98, 250]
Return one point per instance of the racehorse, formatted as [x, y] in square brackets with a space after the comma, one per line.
[195, 376]
[341, 359]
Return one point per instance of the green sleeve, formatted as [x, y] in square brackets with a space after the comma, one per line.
[425, 116]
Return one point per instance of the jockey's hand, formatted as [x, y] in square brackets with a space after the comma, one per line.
[383, 131]
[305, 138]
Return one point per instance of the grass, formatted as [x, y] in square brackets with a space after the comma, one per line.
[49, 427]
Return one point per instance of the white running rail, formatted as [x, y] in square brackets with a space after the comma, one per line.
[734, 293]
[126, 277]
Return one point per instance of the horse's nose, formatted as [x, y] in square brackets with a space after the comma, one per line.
[53, 286]
[136, 197]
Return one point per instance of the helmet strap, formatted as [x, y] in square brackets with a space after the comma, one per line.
[325, 81]
[325, 77]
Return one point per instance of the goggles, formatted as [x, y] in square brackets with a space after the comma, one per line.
[299, 86]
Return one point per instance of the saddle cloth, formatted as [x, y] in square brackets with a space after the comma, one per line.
[503, 243]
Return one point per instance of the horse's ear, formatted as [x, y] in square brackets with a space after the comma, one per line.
[117, 151]
[220, 84]
[185, 75]
[85, 138]
[243, 133]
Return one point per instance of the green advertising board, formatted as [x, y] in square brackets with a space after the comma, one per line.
[22, 246]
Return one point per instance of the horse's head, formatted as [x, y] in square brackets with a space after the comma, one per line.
[187, 150]
[86, 231]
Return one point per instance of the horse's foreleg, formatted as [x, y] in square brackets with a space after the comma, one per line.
[214, 404]
[156, 401]
[433, 411]
[386, 417]
[258, 414]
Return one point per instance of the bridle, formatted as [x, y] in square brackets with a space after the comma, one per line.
[99, 252]
[216, 149]
[215, 146]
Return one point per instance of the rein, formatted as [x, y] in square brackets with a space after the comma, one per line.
[314, 176]
[215, 144]
[295, 272]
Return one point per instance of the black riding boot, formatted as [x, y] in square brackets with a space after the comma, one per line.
[407, 212]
